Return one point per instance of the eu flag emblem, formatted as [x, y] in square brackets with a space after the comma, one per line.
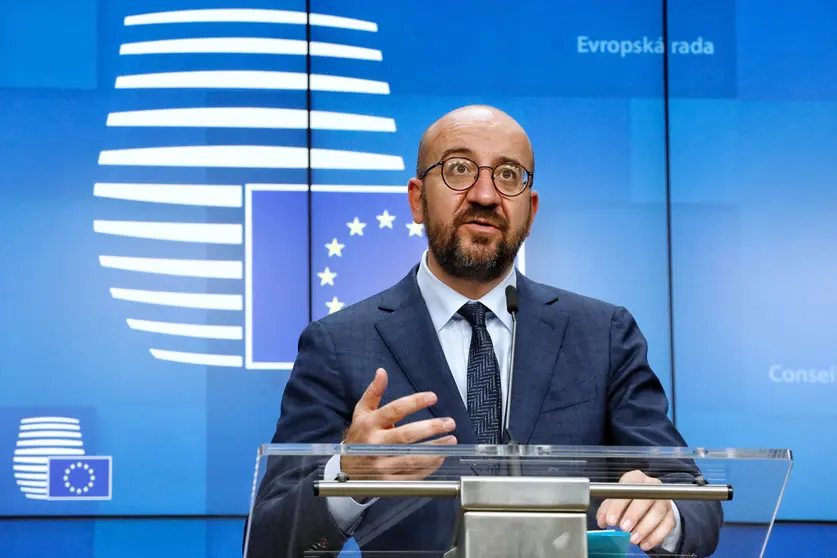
[80, 478]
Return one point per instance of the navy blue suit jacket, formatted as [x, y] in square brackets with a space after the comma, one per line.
[581, 378]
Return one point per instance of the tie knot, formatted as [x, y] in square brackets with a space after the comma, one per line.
[474, 312]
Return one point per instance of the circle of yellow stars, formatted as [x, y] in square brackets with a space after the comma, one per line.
[335, 248]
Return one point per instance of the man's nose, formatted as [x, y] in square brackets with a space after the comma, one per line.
[483, 191]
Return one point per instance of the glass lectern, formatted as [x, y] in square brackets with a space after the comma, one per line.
[509, 501]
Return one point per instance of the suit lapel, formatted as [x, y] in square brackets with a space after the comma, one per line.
[408, 332]
[540, 330]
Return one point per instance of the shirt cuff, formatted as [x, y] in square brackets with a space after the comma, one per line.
[672, 541]
[345, 510]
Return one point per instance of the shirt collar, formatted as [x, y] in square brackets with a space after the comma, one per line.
[443, 302]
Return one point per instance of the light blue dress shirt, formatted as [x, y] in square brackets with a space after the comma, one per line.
[454, 333]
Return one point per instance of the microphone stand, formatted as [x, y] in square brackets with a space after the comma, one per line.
[514, 468]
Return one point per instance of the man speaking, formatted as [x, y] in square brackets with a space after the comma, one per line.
[426, 361]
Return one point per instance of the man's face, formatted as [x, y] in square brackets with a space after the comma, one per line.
[476, 234]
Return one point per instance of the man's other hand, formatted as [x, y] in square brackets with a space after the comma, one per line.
[648, 521]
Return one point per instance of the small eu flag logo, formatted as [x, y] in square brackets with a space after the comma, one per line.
[81, 478]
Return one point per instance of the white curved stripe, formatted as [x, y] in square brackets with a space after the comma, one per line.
[182, 300]
[49, 451]
[50, 442]
[210, 233]
[33, 420]
[354, 189]
[32, 490]
[225, 15]
[354, 160]
[273, 188]
[322, 120]
[342, 84]
[251, 117]
[334, 50]
[30, 476]
[32, 483]
[42, 469]
[30, 460]
[49, 426]
[188, 330]
[250, 156]
[49, 433]
[249, 45]
[198, 358]
[219, 45]
[214, 117]
[250, 79]
[270, 366]
[181, 194]
[36, 496]
[215, 79]
[521, 258]
[210, 269]
[219, 16]
[232, 156]
[324, 20]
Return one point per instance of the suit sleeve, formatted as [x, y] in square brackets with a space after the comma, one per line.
[638, 407]
[288, 519]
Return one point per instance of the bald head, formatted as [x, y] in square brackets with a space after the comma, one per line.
[475, 221]
[481, 119]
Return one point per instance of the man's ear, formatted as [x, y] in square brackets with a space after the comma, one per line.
[533, 200]
[415, 189]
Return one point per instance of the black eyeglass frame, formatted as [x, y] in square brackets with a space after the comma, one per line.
[529, 179]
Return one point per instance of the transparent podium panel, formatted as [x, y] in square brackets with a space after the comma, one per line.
[511, 501]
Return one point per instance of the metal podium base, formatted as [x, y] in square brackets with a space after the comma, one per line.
[521, 534]
[522, 517]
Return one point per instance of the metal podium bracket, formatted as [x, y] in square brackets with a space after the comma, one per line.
[521, 534]
[521, 517]
[533, 517]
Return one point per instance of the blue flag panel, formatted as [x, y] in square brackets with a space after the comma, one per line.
[277, 265]
[362, 243]
[84, 478]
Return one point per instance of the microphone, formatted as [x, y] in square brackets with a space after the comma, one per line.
[512, 307]
[514, 468]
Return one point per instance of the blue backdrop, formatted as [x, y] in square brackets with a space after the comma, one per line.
[167, 233]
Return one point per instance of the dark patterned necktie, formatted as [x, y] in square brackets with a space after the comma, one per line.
[483, 377]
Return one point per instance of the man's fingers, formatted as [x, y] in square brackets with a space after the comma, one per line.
[416, 431]
[614, 512]
[634, 477]
[407, 467]
[634, 514]
[601, 514]
[371, 398]
[661, 531]
[394, 411]
[443, 441]
[628, 513]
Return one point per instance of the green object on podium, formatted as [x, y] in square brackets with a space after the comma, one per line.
[607, 544]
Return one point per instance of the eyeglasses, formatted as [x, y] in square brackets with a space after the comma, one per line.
[460, 173]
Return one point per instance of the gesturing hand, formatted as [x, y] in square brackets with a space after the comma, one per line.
[373, 425]
[648, 521]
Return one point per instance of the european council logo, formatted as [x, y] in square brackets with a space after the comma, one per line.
[50, 462]
[222, 173]
[79, 479]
